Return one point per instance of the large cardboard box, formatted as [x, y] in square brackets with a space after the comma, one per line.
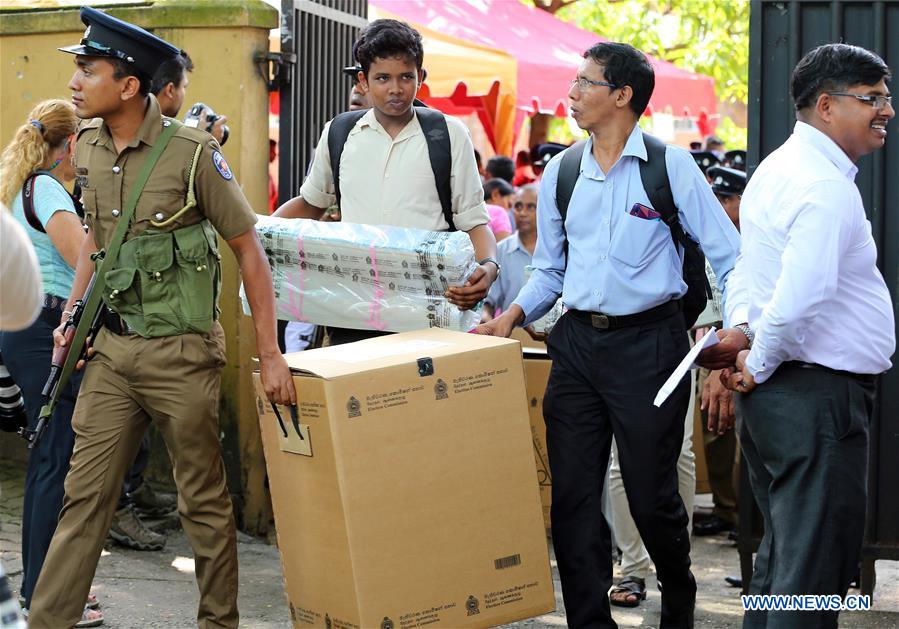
[404, 489]
[536, 371]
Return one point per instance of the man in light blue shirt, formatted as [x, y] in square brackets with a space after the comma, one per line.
[619, 272]
[514, 253]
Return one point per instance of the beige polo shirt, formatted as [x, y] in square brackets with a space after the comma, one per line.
[388, 181]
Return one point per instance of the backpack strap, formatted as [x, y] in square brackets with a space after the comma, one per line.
[654, 175]
[569, 171]
[28, 201]
[338, 132]
[433, 124]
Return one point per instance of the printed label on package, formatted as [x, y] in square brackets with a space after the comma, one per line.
[424, 617]
[508, 596]
[477, 381]
[391, 399]
[304, 616]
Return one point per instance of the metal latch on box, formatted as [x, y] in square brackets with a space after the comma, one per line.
[425, 367]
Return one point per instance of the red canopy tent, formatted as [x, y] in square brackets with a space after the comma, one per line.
[548, 51]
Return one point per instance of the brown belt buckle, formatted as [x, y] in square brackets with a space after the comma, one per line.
[599, 321]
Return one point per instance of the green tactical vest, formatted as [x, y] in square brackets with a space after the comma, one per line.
[167, 283]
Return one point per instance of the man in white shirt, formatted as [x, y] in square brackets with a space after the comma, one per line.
[385, 174]
[823, 329]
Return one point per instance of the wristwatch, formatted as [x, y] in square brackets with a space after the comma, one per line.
[494, 261]
[747, 332]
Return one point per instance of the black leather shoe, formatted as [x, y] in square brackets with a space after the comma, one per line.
[734, 582]
[712, 526]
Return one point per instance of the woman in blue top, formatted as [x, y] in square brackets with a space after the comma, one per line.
[40, 158]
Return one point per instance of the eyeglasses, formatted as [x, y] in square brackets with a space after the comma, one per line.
[583, 83]
[530, 206]
[877, 101]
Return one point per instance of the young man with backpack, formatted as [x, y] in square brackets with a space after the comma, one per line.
[613, 224]
[396, 164]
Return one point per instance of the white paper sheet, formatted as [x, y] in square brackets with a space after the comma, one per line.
[688, 363]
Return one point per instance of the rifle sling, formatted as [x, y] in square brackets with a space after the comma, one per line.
[107, 262]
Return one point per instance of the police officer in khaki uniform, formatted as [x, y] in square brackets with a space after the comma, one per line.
[158, 357]
[718, 438]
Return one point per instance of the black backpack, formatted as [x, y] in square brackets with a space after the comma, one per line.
[654, 174]
[433, 124]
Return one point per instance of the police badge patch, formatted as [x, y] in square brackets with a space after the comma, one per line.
[222, 166]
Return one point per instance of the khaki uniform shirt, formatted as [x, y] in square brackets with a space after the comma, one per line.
[106, 178]
[389, 181]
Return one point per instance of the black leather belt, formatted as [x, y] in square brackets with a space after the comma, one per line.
[116, 324]
[865, 378]
[602, 321]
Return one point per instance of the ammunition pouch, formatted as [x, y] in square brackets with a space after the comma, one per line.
[167, 283]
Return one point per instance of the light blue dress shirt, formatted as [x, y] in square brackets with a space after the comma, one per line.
[513, 258]
[620, 264]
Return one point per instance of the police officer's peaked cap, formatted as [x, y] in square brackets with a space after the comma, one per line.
[705, 160]
[353, 71]
[542, 153]
[736, 159]
[107, 36]
[727, 181]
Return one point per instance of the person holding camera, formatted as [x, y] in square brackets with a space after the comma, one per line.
[169, 86]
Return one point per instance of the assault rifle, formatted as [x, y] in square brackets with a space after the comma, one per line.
[60, 367]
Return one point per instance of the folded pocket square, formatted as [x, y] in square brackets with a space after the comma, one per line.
[641, 211]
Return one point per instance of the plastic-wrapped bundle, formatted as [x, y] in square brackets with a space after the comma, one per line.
[714, 311]
[367, 277]
[547, 322]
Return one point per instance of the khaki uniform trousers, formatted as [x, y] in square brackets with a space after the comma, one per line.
[131, 381]
[722, 461]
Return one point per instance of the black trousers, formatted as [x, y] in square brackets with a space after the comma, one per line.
[27, 355]
[603, 383]
[804, 438]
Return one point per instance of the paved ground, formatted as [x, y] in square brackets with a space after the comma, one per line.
[142, 590]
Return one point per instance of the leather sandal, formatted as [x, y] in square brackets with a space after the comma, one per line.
[628, 586]
[90, 618]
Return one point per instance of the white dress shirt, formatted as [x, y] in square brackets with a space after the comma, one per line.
[808, 262]
[389, 181]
